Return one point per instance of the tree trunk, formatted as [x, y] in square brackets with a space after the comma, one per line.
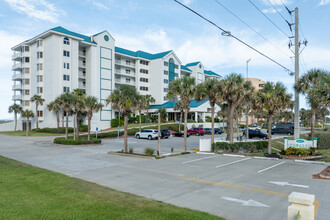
[63, 118]
[15, 121]
[230, 123]
[77, 123]
[37, 114]
[67, 125]
[58, 119]
[125, 132]
[74, 126]
[185, 130]
[159, 135]
[270, 120]
[89, 128]
[247, 123]
[27, 126]
[212, 121]
[313, 123]
[223, 123]
[180, 123]
[140, 120]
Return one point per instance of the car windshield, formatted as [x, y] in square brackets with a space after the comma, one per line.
[262, 132]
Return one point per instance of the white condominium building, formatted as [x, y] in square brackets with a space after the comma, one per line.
[59, 60]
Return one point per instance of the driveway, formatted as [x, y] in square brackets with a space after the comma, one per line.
[231, 187]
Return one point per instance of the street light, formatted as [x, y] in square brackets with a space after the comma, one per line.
[247, 68]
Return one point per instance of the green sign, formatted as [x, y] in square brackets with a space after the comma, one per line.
[299, 143]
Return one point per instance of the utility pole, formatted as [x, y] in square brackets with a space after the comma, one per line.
[296, 94]
[159, 136]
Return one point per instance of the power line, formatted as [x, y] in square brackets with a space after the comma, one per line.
[269, 19]
[276, 10]
[227, 33]
[251, 28]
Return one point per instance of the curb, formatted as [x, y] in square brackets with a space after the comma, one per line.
[199, 152]
[265, 158]
[309, 161]
[233, 155]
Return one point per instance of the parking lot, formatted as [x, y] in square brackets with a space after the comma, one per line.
[231, 187]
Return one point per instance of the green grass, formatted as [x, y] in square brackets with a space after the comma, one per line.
[325, 152]
[31, 133]
[29, 192]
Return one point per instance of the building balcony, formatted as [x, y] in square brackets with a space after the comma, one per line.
[82, 65]
[17, 97]
[124, 82]
[17, 87]
[82, 75]
[122, 73]
[16, 56]
[82, 54]
[123, 63]
[17, 76]
[17, 66]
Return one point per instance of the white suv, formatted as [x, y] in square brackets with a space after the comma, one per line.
[147, 133]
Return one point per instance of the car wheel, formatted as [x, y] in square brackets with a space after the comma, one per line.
[137, 136]
[198, 134]
[264, 138]
[272, 133]
[289, 133]
[149, 137]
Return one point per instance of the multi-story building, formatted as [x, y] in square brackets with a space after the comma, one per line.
[59, 60]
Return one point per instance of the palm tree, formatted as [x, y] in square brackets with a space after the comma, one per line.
[163, 113]
[27, 114]
[67, 103]
[124, 98]
[92, 106]
[248, 101]
[39, 101]
[273, 98]
[233, 93]
[116, 99]
[310, 84]
[184, 90]
[210, 89]
[79, 106]
[55, 106]
[16, 109]
[140, 105]
[149, 100]
[223, 113]
[179, 107]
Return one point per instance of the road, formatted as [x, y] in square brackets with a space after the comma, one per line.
[234, 188]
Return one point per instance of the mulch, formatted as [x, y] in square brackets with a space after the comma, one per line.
[323, 175]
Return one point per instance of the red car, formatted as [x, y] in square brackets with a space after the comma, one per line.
[197, 131]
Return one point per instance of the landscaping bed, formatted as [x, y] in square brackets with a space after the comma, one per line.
[80, 141]
[324, 174]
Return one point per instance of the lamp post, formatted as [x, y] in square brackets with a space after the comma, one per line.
[247, 106]
[247, 68]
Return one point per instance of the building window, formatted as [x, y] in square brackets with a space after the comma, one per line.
[25, 49]
[128, 62]
[66, 66]
[166, 81]
[40, 55]
[176, 66]
[261, 85]
[165, 63]
[128, 80]
[26, 92]
[128, 71]
[143, 88]
[40, 114]
[66, 89]
[165, 98]
[66, 53]
[26, 60]
[26, 103]
[165, 72]
[66, 77]
[144, 71]
[40, 90]
[165, 89]
[66, 41]
[39, 43]
[26, 82]
[39, 78]
[143, 62]
[176, 74]
[144, 80]
[39, 66]
[26, 70]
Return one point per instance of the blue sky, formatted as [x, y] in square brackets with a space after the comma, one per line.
[162, 25]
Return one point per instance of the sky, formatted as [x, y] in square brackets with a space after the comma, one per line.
[162, 25]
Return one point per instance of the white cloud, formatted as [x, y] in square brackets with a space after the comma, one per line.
[98, 4]
[270, 10]
[324, 2]
[37, 9]
[187, 2]
[276, 2]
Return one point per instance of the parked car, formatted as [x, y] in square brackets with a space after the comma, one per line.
[197, 131]
[283, 128]
[180, 134]
[255, 127]
[256, 133]
[164, 133]
[216, 131]
[147, 133]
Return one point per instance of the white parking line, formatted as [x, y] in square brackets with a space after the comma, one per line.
[189, 161]
[270, 167]
[237, 161]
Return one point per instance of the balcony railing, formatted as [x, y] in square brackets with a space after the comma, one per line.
[17, 97]
[17, 66]
[124, 63]
[16, 55]
[17, 76]
[17, 87]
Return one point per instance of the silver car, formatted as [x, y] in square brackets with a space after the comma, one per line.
[147, 133]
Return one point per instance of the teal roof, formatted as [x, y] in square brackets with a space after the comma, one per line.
[65, 31]
[141, 53]
[192, 64]
[185, 68]
[211, 73]
[170, 104]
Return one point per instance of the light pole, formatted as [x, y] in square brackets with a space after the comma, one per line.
[247, 68]
[247, 106]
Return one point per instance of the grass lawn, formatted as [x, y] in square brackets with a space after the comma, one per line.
[29, 192]
[31, 133]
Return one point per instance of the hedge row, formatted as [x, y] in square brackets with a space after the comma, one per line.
[60, 130]
[247, 147]
[80, 141]
[323, 141]
[298, 151]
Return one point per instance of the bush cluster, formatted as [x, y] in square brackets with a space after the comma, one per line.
[80, 141]
[149, 151]
[246, 147]
[298, 151]
[60, 130]
[114, 122]
[323, 141]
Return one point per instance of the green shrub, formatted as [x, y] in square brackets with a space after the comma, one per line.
[298, 151]
[323, 139]
[191, 121]
[247, 147]
[60, 130]
[114, 122]
[80, 141]
[149, 151]
[132, 131]
[130, 150]
[83, 128]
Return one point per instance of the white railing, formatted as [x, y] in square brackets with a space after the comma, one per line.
[16, 55]
[16, 97]
[17, 76]
[17, 65]
[18, 86]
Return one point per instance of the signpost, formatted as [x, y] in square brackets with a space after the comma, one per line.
[299, 143]
[96, 131]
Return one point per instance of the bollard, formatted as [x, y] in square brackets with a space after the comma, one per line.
[303, 204]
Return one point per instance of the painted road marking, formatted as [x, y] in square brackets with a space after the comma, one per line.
[237, 161]
[249, 202]
[316, 203]
[270, 167]
[288, 184]
[190, 161]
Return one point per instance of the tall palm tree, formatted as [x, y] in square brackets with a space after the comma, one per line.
[184, 90]
[39, 101]
[210, 89]
[67, 103]
[234, 91]
[140, 105]
[223, 113]
[27, 114]
[149, 100]
[16, 109]
[179, 107]
[79, 106]
[163, 113]
[310, 84]
[55, 106]
[249, 98]
[273, 98]
[92, 106]
[124, 97]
